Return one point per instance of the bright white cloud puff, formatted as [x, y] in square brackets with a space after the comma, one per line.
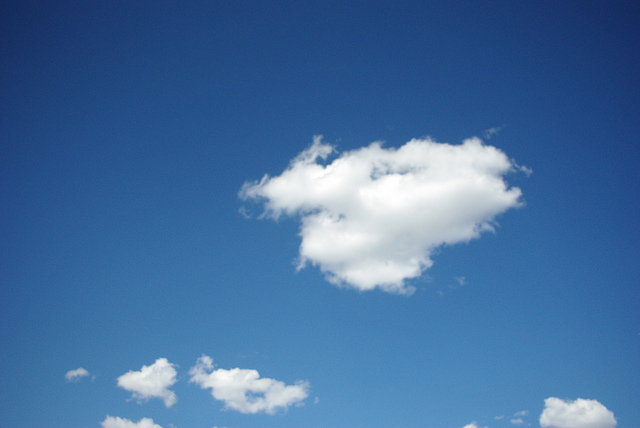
[151, 382]
[76, 375]
[372, 217]
[472, 425]
[244, 390]
[580, 413]
[116, 422]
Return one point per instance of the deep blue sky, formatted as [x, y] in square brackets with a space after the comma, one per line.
[128, 129]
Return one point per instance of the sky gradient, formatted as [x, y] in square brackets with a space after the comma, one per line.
[314, 214]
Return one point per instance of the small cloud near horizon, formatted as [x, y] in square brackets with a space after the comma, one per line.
[116, 422]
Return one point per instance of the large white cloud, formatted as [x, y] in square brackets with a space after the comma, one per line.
[580, 413]
[244, 390]
[151, 381]
[372, 217]
[116, 422]
[76, 375]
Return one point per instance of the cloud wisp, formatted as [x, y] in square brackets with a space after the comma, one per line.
[116, 422]
[372, 217]
[244, 390]
[151, 382]
[581, 413]
[76, 375]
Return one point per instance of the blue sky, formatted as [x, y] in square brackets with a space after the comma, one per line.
[139, 244]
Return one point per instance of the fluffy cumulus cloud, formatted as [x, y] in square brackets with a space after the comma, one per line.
[244, 390]
[115, 422]
[76, 375]
[580, 413]
[373, 216]
[151, 382]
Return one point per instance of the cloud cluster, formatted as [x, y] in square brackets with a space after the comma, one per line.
[580, 413]
[76, 375]
[373, 216]
[244, 390]
[116, 422]
[151, 382]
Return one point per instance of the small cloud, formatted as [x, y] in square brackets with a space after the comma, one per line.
[488, 133]
[527, 171]
[517, 421]
[499, 417]
[316, 400]
[473, 425]
[461, 280]
[116, 422]
[76, 375]
[151, 382]
[521, 413]
[373, 217]
[581, 413]
[244, 390]
[244, 212]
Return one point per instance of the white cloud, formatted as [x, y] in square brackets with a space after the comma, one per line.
[488, 133]
[116, 422]
[373, 216]
[517, 421]
[151, 381]
[580, 413]
[76, 375]
[244, 390]
[521, 413]
[472, 425]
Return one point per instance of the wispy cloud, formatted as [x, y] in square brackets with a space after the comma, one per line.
[151, 382]
[244, 390]
[488, 133]
[581, 413]
[76, 375]
[372, 217]
[116, 422]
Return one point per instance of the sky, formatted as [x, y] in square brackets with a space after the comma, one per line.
[313, 214]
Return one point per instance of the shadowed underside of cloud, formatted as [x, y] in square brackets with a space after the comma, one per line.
[580, 413]
[372, 217]
[116, 422]
[151, 382]
[244, 390]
